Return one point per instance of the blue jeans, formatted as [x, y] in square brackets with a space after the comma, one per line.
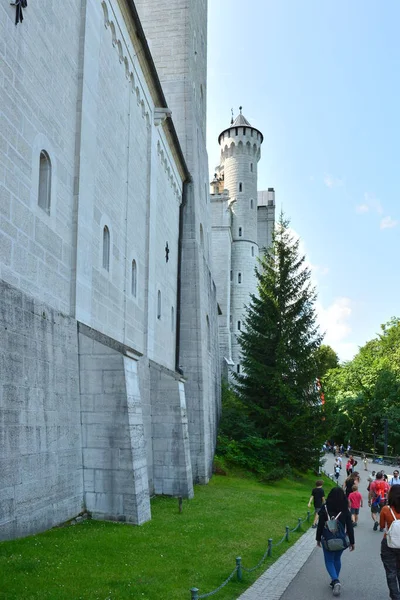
[333, 562]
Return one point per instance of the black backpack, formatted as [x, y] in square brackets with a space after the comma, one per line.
[334, 537]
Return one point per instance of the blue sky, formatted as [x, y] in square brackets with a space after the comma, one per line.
[321, 80]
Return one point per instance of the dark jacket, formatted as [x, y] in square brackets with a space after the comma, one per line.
[345, 519]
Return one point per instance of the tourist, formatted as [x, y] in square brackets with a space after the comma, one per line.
[349, 467]
[365, 461]
[355, 502]
[395, 479]
[391, 556]
[336, 506]
[318, 496]
[352, 479]
[377, 495]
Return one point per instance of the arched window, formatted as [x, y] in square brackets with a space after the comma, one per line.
[239, 278]
[44, 192]
[240, 232]
[134, 279]
[106, 248]
[172, 318]
[159, 305]
[251, 203]
[252, 250]
[240, 186]
[239, 325]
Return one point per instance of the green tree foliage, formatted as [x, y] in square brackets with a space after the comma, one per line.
[277, 386]
[326, 359]
[362, 393]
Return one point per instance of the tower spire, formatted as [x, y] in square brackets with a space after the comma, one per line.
[232, 116]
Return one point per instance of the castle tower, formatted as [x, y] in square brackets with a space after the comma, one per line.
[240, 152]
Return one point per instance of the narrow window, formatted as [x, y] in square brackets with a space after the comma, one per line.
[252, 250]
[237, 368]
[244, 130]
[208, 334]
[159, 305]
[251, 132]
[106, 248]
[44, 192]
[172, 318]
[231, 275]
[251, 203]
[251, 167]
[230, 320]
[239, 326]
[201, 236]
[240, 232]
[236, 130]
[240, 187]
[134, 279]
[239, 278]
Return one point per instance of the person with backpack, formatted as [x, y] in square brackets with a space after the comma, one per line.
[377, 495]
[334, 534]
[390, 545]
[395, 479]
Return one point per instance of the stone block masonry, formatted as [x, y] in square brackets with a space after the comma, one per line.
[40, 430]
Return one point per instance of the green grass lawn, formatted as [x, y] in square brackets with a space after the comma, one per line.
[164, 558]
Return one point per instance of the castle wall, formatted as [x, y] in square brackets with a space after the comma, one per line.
[40, 419]
[38, 96]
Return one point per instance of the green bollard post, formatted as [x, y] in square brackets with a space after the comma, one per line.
[299, 523]
[195, 593]
[287, 533]
[269, 552]
[239, 568]
[308, 516]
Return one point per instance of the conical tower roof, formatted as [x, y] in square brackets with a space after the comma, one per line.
[240, 121]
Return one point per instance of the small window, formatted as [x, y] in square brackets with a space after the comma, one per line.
[244, 130]
[159, 305]
[134, 279]
[44, 192]
[252, 250]
[239, 326]
[251, 203]
[106, 248]
[240, 187]
[231, 275]
[237, 368]
[201, 236]
[239, 278]
[251, 167]
[172, 318]
[208, 334]
[240, 232]
[251, 132]
[236, 130]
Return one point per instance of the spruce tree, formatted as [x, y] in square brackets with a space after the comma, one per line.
[277, 385]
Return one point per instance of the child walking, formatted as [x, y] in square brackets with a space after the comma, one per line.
[318, 495]
[355, 503]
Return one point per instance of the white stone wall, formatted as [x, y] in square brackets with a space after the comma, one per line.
[40, 421]
[177, 34]
[38, 96]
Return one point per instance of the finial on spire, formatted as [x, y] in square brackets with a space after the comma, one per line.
[232, 116]
[240, 108]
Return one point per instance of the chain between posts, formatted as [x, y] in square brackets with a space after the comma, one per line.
[239, 568]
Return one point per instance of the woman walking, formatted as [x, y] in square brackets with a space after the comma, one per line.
[336, 507]
[391, 556]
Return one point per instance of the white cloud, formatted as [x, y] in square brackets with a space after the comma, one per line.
[331, 181]
[388, 223]
[372, 203]
[362, 208]
[334, 319]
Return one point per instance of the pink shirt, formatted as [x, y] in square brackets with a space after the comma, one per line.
[355, 499]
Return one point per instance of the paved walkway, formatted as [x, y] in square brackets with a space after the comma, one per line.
[300, 573]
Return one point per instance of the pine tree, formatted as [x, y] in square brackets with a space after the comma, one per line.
[278, 344]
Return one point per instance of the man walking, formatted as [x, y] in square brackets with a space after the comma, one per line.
[395, 479]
